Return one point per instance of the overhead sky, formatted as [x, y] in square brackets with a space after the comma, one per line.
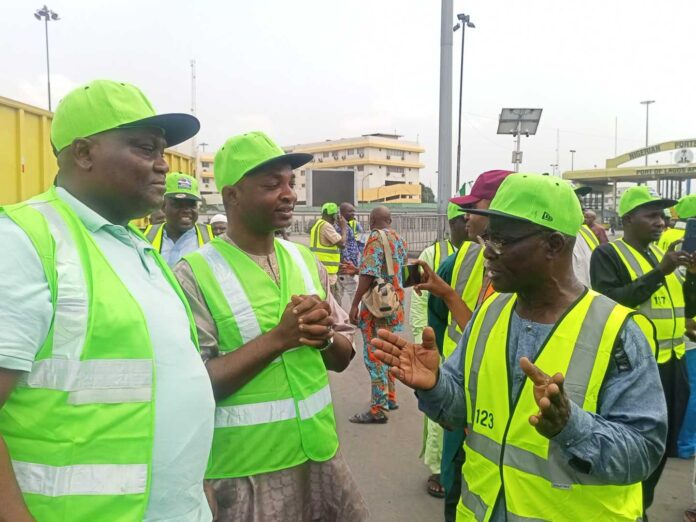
[309, 70]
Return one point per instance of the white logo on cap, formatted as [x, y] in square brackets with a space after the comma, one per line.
[184, 183]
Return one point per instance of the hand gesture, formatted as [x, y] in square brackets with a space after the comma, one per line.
[554, 406]
[305, 321]
[690, 329]
[416, 365]
[341, 221]
[347, 268]
[431, 282]
[674, 258]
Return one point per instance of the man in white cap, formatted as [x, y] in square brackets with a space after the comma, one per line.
[219, 224]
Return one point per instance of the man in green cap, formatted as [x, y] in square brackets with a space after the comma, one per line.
[570, 435]
[269, 330]
[634, 272]
[326, 243]
[685, 209]
[106, 409]
[180, 233]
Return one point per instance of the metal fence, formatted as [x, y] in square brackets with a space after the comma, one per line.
[419, 231]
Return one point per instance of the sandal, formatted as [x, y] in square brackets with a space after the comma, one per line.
[367, 417]
[434, 488]
[393, 406]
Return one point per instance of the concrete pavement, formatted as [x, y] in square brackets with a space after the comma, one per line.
[391, 476]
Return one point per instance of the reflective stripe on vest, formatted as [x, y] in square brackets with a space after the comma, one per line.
[330, 256]
[284, 415]
[154, 234]
[504, 451]
[442, 246]
[589, 236]
[665, 308]
[467, 277]
[82, 479]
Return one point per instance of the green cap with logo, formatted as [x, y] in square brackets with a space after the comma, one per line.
[182, 186]
[640, 195]
[104, 105]
[546, 201]
[453, 211]
[329, 208]
[686, 207]
[246, 152]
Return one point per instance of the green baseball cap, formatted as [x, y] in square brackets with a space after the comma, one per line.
[638, 196]
[329, 208]
[243, 153]
[453, 211]
[104, 105]
[686, 207]
[182, 186]
[546, 201]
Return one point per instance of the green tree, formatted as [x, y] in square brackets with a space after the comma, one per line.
[427, 195]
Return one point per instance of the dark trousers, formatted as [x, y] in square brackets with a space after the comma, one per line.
[676, 387]
[451, 470]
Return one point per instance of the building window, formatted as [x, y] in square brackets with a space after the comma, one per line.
[324, 154]
[361, 168]
[350, 152]
[205, 164]
[397, 153]
[360, 151]
[302, 185]
[398, 170]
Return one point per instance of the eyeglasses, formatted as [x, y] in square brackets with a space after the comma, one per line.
[498, 244]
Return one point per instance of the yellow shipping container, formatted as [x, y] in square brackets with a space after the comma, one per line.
[27, 163]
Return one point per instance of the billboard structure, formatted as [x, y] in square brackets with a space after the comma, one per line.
[331, 185]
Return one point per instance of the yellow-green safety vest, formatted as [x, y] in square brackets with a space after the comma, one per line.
[154, 233]
[284, 415]
[669, 236]
[442, 246]
[589, 236]
[665, 308]
[329, 255]
[467, 279]
[79, 427]
[505, 456]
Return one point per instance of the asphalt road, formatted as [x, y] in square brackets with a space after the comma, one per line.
[384, 458]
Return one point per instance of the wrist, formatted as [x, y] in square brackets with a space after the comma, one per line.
[278, 340]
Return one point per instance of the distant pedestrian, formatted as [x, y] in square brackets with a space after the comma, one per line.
[384, 246]
[596, 228]
[219, 224]
[351, 252]
[326, 243]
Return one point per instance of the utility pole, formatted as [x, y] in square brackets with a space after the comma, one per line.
[194, 147]
[464, 22]
[647, 104]
[444, 160]
[47, 15]
[572, 160]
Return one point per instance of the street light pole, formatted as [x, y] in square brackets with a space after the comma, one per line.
[46, 14]
[444, 153]
[572, 160]
[647, 104]
[362, 190]
[464, 22]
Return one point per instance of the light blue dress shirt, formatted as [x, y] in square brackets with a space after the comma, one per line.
[184, 403]
[620, 444]
[172, 251]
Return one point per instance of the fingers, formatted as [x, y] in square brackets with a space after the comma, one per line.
[397, 372]
[305, 304]
[538, 377]
[425, 267]
[674, 245]
[317, 331]
[319, 314]
[429, 338]
[386, 347]
[392, 338]
[386, 358]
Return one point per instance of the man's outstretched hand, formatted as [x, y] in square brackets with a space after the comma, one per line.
[416, 365]
[554, 405]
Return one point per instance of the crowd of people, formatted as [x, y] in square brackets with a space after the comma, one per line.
[181, 372]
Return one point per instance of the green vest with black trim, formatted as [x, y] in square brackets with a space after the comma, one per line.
[329, 255]
[589, 236]
[444, 246]
[665, 308]
[79, 427]
[284, 415]
[505, 456]
[467, 279]
[154, 233]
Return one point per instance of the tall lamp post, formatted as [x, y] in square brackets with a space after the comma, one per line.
[46, 14]
[362, 189]
[572, 160]
[647, 104]
[464, 22]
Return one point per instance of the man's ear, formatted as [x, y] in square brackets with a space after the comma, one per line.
[230, 195]
[556, 243]
[82, 150]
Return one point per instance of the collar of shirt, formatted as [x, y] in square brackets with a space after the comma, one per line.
[191, 231]
[96, 223]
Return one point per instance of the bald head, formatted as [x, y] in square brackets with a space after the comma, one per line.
[590, 217]
[380, 218]
[347, 210]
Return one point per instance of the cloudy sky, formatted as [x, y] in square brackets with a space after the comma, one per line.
[308, 70]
